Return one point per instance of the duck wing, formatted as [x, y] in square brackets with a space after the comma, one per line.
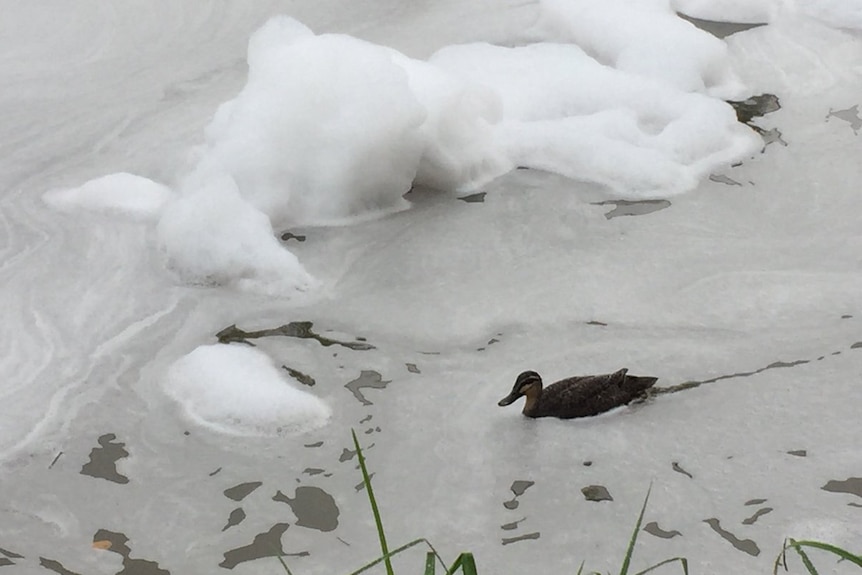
[591, 394]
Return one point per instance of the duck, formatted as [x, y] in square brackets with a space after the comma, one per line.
[579, 396]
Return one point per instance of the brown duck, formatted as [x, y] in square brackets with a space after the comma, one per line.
[579, 396]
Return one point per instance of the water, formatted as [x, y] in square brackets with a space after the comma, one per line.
[750, 290]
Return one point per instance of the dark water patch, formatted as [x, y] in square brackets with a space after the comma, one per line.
[289, 236]
[411, 367]
[346, 455]
[757, 515]
[264, 545]
[721, 179]
[55, 566]
[312, 471]
[367, 378]
[371, 430]
[513, 525]
[798, 452]
[755, 107]
[361, 485]
[5, 562]
[315, 444]
[852, 504]
[596, 493]
[836, 353]
[856, 345]
[302, 378]
[236, 517]
[519, 487]
[512, 504]
[633, 207]
[430, 352]
[55, 460]
[528, 536]
[477, 198]
[216, 472]
[116, 542]
[653, 529]
[675, 466]
[587, 463]
[366, 418]
[719, 29]
[851, 485]
[692, 384]
[493, 340]
[744, 545]
[599, 323]
[241, 491]
[849, 115]
[10, 554]
[297, 329]
[314, 508]
[846, 316]
[755, 501]
[103, 460]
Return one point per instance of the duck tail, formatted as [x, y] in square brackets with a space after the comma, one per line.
[639, 383]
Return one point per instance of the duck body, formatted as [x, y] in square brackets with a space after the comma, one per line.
[579, 396]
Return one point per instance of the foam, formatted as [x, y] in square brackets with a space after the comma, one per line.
[238, 390]
[122, 193]
[645, 38]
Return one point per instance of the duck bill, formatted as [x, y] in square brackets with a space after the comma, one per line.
[508, 400]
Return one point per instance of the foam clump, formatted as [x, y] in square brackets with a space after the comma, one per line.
[212, 236]
[565, 112]
[325, 129]
[238, 390]
[643, 37]
[122, 193]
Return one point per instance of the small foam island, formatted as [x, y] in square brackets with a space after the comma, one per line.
[238, 390]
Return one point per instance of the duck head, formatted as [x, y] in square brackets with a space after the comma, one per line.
[528, 384]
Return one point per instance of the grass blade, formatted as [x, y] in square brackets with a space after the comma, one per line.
[384, 548]
[386, 557]
[429, 563]
[682, 560]
[466, 562]
[627, 560]
[835, 550]
[284, 565]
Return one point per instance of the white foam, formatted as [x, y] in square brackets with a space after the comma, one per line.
[237, 389]
[564, 112]
[325, 129]
[121, 193]
[211, 236]
[645, 38]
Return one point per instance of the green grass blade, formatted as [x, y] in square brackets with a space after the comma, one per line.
[466, 562]
[284, 565]
[581, 568]
[835, 550]
[384, 548]
[429, 563]
[627, 560]
[682, 560]
[383, 558]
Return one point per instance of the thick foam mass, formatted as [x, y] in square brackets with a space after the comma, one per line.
[237, 389]
[565, 112]
[643, 37]
[121, 193]
[326, 128]
[212, 236]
